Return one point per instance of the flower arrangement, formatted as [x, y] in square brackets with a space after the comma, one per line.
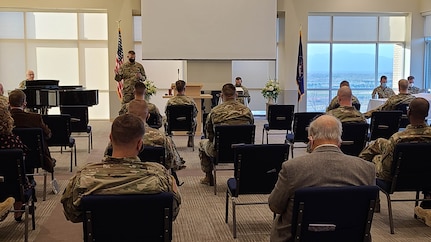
[151, 89]
[271, 89]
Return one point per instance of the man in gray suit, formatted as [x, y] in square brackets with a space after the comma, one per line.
[326, 165]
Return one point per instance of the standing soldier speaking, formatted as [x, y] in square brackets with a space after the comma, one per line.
[130, 72]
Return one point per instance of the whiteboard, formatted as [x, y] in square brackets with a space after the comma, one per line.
[209, 29]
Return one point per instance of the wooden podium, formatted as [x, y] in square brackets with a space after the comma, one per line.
[193, 90]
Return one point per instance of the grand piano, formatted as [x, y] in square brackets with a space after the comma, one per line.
[44, 94]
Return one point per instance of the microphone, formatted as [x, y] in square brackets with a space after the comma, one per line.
[178, 74]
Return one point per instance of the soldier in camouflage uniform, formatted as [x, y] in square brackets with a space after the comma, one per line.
[230, 112]
[29, 77]
[380, 151]
[383, 91]
[346, 113]
[139, 93]
[412, 89]
[130, 72]
[182, 99]
[238, 83]
[334, 102]
[154, 137]
[391, 104]
[121, 173]
[4, 101]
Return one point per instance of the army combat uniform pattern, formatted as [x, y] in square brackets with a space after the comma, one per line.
[347, 114]
[117, 176]
[227, 113]
[334, 103]
[184, 100]
[128, 73]
[381, 92]
[392, 102]
[380, 151]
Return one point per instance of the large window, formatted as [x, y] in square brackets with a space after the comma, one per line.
[70, 47]
[358, 49]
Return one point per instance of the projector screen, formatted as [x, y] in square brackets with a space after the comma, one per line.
[209, 29]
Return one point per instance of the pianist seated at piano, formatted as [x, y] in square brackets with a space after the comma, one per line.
[22, 119]
[29, 77]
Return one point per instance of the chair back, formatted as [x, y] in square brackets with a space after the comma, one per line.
[354, 138]
[333, 213]
[227, 135]
[60, 129]
[384, 124]
[110, 217]
[33, 139]
[301, 121]
[215, 98]
[79, 117]
[257, 167]
[179, 118]
[280, 117]
[152, 121]
[411, 166]
[12, 170]
[404, 119]
[357, 106]
[153, 154]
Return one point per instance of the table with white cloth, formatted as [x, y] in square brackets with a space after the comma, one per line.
[374, 103]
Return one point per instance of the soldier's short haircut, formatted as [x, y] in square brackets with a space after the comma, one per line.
[403, 84]
[126, 129]
[383, 77]
[140, 88]
[410, 78]
[131, 52]
[138, 108]
[180, 85]
[238, 78]
[17, 98]
[419, 107]
[344, 83]
[228, 90]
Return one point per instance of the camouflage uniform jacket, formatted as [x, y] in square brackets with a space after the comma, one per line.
[154, 112]
[392, 102]
[183, 100]
[22, 84]
[334, 103]
[128, 73]
[154, 137]
[414, 90]
[117, 176]
[227, 113]
[347, 114]
[381, 92]
[4, 101]
[380, 152]
[245, 94]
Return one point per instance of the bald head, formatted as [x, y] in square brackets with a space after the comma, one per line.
[326, 129]
[418, 109]
[139, 108]
[403, 85]
[344, 95]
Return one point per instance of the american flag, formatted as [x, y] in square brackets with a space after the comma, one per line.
[118, 62]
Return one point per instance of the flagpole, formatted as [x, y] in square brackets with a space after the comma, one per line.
[300, 71]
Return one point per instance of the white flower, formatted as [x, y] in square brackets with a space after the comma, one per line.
[271, 89]
[151, 88]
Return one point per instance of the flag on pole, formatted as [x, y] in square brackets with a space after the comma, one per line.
[300, 70]
[118, 62]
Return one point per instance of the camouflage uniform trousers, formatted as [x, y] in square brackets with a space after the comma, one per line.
[206, 153]
[374, 151]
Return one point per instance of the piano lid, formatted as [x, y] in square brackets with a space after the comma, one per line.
[42, 84]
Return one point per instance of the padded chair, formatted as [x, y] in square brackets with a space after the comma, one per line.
[301, 121]
[215, 98]
[225, 137]
[61, 134]
[79, 123]
[404, 119]
[335, 214]
[384, 124]
[180, 118]
[354, 137]
[256, 172]
[12, 174]
[357, 106]
[33, 140]
[410, 171]
[153, 122]
[110, 217]
[279, 118]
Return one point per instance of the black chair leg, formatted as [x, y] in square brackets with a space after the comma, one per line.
[174, 174]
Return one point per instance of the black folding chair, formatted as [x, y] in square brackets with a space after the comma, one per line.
[108, 217]
[12, 180]
[180, 118]
[326, 214]
[79, 122]
[225, 137]
[384, 124]
[279, 118]
[354, 138]
[256, 172]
